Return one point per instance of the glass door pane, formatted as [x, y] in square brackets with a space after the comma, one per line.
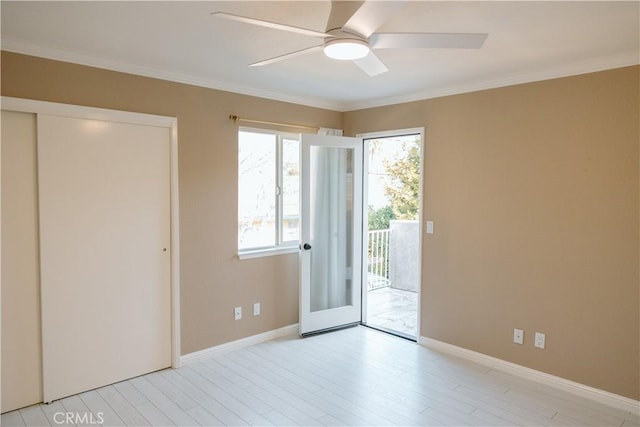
[331, 220]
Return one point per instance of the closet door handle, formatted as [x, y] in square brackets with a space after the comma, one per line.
[306, 247]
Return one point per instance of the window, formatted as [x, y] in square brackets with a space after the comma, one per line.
[268, 190]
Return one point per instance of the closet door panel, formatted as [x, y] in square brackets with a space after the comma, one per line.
[21, 339]
[105, 252]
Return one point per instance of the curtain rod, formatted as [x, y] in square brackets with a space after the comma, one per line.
[263, 122]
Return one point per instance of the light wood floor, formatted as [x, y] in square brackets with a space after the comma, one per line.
[356, 376]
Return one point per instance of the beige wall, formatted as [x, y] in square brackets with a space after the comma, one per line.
[213, 280]
[533, 190]
[534, 193]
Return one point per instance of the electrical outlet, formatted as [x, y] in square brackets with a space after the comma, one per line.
[256, 309]
[518, 336]
[539, 341]
[237, 313]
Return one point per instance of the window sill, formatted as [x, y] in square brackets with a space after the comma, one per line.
[258, 253]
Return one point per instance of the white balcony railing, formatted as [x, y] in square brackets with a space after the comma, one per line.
[378, 259]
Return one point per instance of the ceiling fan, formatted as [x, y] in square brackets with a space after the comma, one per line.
[351, 35]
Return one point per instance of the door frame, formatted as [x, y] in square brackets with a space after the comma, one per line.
[92, 113]
[365, 210]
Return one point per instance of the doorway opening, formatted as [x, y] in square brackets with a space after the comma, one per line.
[392, 231]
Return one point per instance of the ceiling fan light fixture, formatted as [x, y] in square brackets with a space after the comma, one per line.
[346, 49]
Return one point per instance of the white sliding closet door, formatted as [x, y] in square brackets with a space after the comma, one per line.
[21, 342]
[105, 252]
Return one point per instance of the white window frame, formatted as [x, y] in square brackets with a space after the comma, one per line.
[281, 246]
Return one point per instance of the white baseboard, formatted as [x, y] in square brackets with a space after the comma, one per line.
[234, 345]
[605, 397]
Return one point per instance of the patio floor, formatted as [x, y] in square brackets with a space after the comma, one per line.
[392, 309]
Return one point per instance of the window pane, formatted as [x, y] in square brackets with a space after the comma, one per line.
[290, 190]
[256, 190]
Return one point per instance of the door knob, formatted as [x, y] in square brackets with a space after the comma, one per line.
[306, 246]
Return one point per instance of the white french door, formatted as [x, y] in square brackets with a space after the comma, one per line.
[331, 233]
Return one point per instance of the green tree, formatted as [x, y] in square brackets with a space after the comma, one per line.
[403, 186]
[379, 218]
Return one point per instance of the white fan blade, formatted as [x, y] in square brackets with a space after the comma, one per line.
[287, 56]
[371, 15]
[268, 24]
[427, 40]
[371, 64]
[341, 12]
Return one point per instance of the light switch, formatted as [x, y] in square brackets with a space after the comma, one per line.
[429, 227]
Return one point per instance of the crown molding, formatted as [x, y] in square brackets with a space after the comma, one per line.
[33, 49]
[575, 68]
[565, 70]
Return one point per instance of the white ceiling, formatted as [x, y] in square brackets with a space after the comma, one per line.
[181, 41]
